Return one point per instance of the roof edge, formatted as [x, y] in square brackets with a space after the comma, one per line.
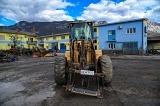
[118, 22]
[54, 35]
[16, 32]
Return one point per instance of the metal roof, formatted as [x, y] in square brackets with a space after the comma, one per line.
[154, 38]
[82, 21]
[119, 22]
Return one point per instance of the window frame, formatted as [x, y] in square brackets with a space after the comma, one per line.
[95, 29]
[30, 39]
[2, 37]
[111, 32]
[130, 30]
[111, 46]
[63, 37]
[54, 37]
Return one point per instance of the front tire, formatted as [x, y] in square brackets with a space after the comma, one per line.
[60, 70]
[106, 68]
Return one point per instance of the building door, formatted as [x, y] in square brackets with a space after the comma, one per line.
[55, 46]
[130, 48]
[62, 48]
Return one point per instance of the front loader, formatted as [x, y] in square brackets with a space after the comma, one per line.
[83, 69]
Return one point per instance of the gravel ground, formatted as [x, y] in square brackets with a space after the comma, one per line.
[30, 82]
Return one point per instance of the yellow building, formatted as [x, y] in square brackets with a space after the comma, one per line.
[22, 39]
[59, 41]
[55, 42]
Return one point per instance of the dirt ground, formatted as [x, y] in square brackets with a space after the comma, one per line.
[29, 82]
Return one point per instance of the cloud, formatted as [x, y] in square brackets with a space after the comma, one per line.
[37, 10]
[130, 9]
[1, 24]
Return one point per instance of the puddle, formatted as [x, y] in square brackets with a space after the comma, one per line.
[10, 97]
[40, 96]
[7, 90]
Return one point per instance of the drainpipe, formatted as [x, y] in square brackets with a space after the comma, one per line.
[142, 36]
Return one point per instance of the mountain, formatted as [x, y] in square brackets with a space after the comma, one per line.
[40, 28]
[153, 29]
[56, 27]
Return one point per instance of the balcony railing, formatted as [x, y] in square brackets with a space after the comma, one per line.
[41, 42]
[31, 42]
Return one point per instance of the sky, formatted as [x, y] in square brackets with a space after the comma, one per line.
[58, 10]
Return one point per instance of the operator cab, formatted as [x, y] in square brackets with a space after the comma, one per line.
[81, 30]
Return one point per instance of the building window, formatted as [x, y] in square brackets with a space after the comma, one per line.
[111, 32]
[41, 40]
[30, 39]
[2, 37]
[54, 38]
[46, 38]
[111, 46]
[95, 29]
[95, 47]
[22, 38]
[63, 37]
[131, 30]
[95, 41]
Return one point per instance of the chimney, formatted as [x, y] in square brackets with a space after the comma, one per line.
[33, 29]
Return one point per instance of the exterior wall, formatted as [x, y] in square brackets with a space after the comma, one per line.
[145, 30]
[4, 43]
[31, 46]
[46, 45]
[121, 35]
[22, 38]
[48, 40]
[4, 46]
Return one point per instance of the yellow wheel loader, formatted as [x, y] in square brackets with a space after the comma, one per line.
[83, 69]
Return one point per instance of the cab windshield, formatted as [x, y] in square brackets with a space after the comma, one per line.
[81, 29]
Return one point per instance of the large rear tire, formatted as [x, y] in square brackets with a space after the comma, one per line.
[60, 70]
[106, 68]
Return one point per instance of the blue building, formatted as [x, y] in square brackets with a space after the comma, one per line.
[126, 37]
